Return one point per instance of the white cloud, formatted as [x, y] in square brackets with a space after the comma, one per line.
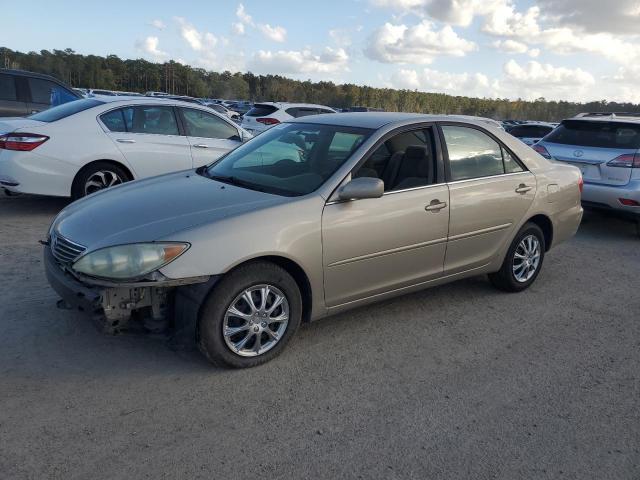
[455, 12]
[238, 28]
[534, 52]
[429, 80]
[419, 44]
[595, 16]
[197, 40]
[150, 46]
[510, 46]
[302, 61]
[159, 24]
[244, 17]
[276, 33]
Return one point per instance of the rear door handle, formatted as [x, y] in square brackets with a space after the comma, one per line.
[435, 206]
[522, 188]
[201, 145]
[125, 140]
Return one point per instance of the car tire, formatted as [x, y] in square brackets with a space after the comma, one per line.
[516, 274]
[216, 317]
[111, 173]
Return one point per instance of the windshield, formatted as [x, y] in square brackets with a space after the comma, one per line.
[66, 110]
[289, 159]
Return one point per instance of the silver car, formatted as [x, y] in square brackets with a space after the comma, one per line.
[606, 148]
[313, 217]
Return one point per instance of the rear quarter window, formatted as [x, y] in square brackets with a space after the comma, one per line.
[66, 110]
[616, 135]
[260, 110]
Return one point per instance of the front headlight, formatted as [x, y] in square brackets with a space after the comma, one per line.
[129, 261]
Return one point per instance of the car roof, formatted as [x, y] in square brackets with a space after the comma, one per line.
[377, 120]
[290, 104]
[25, 73]
[608, 117]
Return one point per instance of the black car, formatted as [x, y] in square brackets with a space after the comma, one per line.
[23, 93]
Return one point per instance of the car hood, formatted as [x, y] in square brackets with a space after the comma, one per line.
[154, 208]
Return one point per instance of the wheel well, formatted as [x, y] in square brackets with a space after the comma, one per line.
[112, 162]
[298, 275]
[546, 226]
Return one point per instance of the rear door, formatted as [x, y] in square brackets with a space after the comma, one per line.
[12, 103]
[489, 190]
[209, 136]
[149, 138]
[601, 149]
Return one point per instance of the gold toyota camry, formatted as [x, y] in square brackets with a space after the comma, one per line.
[313, 217]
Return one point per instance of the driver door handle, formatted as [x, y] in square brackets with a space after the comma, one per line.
[522, 188]
[435, 206]
[201, 145]
[125, 140]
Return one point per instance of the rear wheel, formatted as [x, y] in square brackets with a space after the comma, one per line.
[97, 176]
[250, 316]
[523, 261]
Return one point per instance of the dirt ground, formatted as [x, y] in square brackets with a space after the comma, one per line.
[459, 381]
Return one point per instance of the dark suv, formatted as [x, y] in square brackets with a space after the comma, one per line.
[23, 93]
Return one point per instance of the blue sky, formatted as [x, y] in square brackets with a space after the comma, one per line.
[560, 49]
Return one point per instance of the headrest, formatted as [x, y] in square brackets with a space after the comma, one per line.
[416, 152]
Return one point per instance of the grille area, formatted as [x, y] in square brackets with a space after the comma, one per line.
[64, 250]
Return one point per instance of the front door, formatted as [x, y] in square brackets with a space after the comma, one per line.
[377, 245]
[151, 142]
[489, 190]
[209, 136]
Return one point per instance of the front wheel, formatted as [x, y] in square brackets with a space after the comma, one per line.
[523, 261]
[249, 316]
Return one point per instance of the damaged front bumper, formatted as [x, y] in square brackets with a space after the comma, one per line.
[163, 306]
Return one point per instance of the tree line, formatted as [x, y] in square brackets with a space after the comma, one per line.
[114, 73]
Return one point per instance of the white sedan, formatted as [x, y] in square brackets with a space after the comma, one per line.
[87, 145]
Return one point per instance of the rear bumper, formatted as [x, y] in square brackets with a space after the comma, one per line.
[608, 197]
[28, 172]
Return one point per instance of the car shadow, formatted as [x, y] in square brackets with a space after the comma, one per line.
[605, 226]
[19, 205]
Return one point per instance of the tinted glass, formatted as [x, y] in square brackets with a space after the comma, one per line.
[154, 120]
[289, 159]
[114, 121]
[258, 110]
[202, 124]
[8, 88]
[472, 154]
[587, 133]
[41, 90]
[404, 161]
[511, 165]
[66, 110]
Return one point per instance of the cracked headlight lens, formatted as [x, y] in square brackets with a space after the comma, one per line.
[128, 261]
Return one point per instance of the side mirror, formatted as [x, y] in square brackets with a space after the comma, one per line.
[360, 188]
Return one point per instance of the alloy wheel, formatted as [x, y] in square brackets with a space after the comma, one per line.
[526, 258]
[100, 180]
[256, 320]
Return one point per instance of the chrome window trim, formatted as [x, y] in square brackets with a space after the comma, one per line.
[454, 182]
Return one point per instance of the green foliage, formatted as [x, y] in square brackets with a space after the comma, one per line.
[111, 72]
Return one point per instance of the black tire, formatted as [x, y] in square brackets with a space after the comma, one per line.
[78, 187]
[505, 279]
[211, 340]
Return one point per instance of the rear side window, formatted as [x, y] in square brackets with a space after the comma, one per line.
[302, 112]
[202, 124]
[474, 154]
[62, 111]
[151, 120]
[8, 88]
[49, 93]
[596, 134]
[260, 110]
[114, 120]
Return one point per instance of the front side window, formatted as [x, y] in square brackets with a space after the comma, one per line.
[8, 88]
[406, 160]
[472, 153]
[202, 124]
[289, 159]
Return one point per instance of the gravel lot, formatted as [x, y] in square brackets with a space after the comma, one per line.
[460, 381]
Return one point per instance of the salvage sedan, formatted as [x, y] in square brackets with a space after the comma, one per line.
[313, 217]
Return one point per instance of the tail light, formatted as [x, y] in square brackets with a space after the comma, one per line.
[268, 121]
[542, 151]
[628, 202]
[580, 184]
[22, 142]
[628, 160]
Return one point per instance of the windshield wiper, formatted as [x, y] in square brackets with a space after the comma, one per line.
[231, 180]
